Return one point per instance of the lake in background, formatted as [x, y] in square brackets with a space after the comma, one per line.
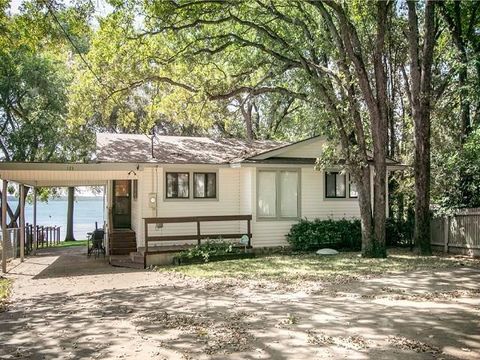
[87, 210]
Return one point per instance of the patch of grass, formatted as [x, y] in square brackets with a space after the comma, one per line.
[311, 267]
[4, 292]
[72, 243]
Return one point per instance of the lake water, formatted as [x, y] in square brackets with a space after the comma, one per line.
[87, 210]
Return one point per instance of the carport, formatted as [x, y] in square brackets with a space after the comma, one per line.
[36, 175]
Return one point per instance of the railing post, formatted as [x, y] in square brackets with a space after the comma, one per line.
[199, 241]
[146, 236]
[249, 232]
[4, 226]
[22, 222]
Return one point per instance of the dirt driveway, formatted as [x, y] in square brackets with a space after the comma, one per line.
[65, 306]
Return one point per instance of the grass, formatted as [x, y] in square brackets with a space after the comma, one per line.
[64, 244]
[4, 292]
[294, 267]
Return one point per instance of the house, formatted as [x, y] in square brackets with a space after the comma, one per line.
[166, 192]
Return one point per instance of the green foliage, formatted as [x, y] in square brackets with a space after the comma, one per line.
[5, 285]
[311, 235]
[460, 171]
[207, 249]
[34, 79]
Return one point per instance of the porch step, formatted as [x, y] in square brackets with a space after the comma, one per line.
[124, 261]
[165, 249]
[136, 257]
[122, 242]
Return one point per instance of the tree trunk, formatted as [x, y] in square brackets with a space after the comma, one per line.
[421, 73]
[71, 202]
[362, 179]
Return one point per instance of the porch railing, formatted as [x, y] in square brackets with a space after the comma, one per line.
[198, 235]
[46, 236]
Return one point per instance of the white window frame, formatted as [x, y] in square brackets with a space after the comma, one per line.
[277, 216]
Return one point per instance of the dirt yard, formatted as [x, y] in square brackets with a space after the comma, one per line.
[66, 306]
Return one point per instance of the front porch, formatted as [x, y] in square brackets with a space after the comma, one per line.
[29, 177]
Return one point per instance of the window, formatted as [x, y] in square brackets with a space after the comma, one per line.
[335, 185]
[205, 185]
[352, 188]
[288, 193]
[178, 185]
[278, 194]
[267, 194]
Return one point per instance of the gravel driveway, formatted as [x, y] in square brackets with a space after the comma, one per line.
[67, 306]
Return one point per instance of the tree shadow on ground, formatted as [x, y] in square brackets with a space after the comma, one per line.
[360, 320]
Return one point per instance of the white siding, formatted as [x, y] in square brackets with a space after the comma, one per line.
[309, 150]
[268, 233]
[314, 205]
[151, 180]
[246, 190]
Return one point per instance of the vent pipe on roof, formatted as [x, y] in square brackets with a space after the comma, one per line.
[151, 141]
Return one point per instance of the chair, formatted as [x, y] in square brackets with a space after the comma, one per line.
[96, 238]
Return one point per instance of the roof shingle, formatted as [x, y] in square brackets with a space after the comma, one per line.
[177, 149]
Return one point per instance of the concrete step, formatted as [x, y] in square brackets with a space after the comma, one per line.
[124, 261]
[136, 257]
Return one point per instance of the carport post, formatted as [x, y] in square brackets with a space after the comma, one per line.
[34, 232]
[22, 222]
[4, 226]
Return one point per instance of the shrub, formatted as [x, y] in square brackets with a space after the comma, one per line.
[343, 234]
[208, 249]
[399, 232]
[309, 235]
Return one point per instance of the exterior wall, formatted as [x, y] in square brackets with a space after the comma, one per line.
[236, 195]
[267, 233]
[152, 180]
[314, 203]
[308, 150]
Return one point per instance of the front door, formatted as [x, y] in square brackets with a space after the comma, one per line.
[121, 204]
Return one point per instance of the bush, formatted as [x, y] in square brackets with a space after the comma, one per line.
[399, 232]
[207, 250]
[342, 234]
[312, 235]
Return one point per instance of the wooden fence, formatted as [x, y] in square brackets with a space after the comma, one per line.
[46, 236]
[198, 235]
[459, 232]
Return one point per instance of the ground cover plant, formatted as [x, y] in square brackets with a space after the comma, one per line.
[4, 292]
[294, 267]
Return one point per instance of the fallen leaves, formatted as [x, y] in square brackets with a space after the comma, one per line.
[217, 336]
[354, 342]
[404, 343]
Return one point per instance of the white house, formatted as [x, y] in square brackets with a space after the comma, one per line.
[178, 190]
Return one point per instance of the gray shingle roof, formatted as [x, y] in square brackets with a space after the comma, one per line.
[177, 149]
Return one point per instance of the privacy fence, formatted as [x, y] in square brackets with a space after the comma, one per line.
[457, 233]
